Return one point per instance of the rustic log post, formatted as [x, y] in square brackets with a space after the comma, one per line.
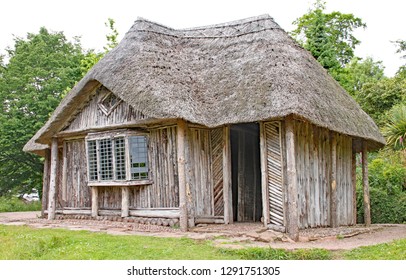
[354, 187]
[125, 201]
[95, 201]
[365, 185]
[227, 191]
[333, 180]
[264, 174]
[45, 183]
[181, 131]
[292, 217]
[53, 179]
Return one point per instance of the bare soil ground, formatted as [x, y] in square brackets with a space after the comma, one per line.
[238, 235]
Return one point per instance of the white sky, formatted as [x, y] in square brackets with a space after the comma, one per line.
[385, 19]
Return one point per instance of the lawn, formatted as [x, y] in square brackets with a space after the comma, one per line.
[25, 243]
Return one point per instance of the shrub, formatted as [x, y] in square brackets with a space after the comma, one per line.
[13, 204]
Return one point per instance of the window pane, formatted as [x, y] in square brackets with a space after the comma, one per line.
[138, 157]
[106, 159]
[92, 158]
[119, 154]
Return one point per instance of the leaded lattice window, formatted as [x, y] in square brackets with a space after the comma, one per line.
[118, 158]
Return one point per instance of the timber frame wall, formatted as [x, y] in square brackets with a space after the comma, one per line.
[307, 173]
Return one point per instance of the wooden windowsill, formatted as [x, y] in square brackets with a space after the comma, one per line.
[120, 183]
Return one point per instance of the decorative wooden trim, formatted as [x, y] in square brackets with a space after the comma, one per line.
[292, 217]
[53, 179]
[227, 191]
[181, 132]
[365, 184]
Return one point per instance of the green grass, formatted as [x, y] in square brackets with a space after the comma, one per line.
[25, 243]
[395, 250]
[13, 204]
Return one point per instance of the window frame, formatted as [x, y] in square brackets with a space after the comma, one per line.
[128, 181]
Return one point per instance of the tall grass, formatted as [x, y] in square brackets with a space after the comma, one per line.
[13, 204]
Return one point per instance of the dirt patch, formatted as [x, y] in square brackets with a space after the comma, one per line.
[239, 235]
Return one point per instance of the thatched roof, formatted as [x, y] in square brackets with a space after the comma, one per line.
[243, 71]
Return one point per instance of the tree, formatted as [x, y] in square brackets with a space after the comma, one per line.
[394, 129]
[92, 57]
[359, 72]
[40, 68]
[328, 36]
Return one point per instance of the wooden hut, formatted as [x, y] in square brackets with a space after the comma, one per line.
[226, 123]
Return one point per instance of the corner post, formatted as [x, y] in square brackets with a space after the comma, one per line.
[53, 179]
[292, 217]
[333, 180]
[45, 183]
[181, 132]
[365, 184]
[227, 192]
[95, 201]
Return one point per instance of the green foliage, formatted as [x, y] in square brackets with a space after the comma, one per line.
[329, 37]
[387, 182]
[395, 250]
[394, 129]
[13, 204]
[376, 99]
[359, 72]
[401, 44]
[40, 68]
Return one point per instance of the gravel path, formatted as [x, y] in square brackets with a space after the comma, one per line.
[237, 235]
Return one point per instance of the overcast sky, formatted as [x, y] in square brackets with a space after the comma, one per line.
[385, 19]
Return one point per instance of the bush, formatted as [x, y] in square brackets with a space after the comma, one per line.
[387, 179]
[13, 204]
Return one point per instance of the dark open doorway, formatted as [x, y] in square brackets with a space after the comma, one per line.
[246, 172]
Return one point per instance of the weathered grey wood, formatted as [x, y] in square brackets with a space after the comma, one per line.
[227, 192]
[95, 201]
[120, 183]
[216, 153]
[156, 213]
[74, 212]
[53, 179]
[182, 130]
[45, 182]
[365, 184]
[264, 174]
[64, 173]
[333, 187]
[125, 201]
[276, 228]
[209, 220]
[354, 187]
[316, 181]
[292, 217]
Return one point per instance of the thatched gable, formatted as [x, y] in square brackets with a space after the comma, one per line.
[243, 71]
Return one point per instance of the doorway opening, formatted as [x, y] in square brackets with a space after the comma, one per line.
[246, 172]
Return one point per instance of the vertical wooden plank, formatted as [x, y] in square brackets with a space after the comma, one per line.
[53, 179]
[365, 184]
[227, 191]
[181, 132]
[354, 186]
[241, 177]
[125, 201]
[45, 182]
[64, 173]
[95, 201]
[292, 221]
[264, 174]
[315, 185]
[333, 186]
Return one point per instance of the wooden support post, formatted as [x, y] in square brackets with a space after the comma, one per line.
[227, 191]
[333, 180]
[45, 182]
[95, 201]
[365, 185]
[264, 174]
[354, 187]
[292, 217]
[53, 179]
[125, 201]
[181, 131]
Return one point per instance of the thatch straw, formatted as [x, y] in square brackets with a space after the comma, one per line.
[243, 71]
